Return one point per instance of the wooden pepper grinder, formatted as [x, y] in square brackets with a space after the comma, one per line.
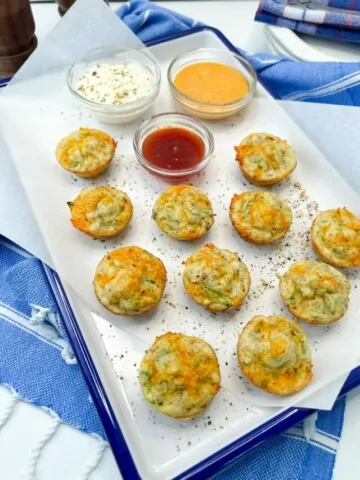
[17, 35]
[64, 5]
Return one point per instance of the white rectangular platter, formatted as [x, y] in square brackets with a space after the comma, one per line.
[160, 447]
[163, 448]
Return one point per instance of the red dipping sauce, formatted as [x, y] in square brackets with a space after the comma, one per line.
[173, 148]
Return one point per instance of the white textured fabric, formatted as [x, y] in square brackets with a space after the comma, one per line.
[36, 445]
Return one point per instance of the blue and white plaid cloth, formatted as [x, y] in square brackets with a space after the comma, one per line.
[36, 359]
[333, 19]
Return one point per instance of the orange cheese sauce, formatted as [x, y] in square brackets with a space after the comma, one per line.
[211, 82]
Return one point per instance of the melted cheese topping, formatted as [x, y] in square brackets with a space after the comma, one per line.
[183, 212]
[179, 375]
[265, 159]
[129, 281]
[101, 212]
[86, 152]
[335, 236]
[315, 292]
[260, 217]
[274, 354]
[216, 278]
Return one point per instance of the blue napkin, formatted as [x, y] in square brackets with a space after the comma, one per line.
[322, 18]
[36, 357]
[293, 455]
[332, 82]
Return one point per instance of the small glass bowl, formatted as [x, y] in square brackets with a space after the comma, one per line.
[205, 110]
[119, 113]
[173, 119]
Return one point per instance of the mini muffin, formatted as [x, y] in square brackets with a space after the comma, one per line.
[265, 159]
[86, 152]
[179, 375]
[260, 217]
[315, 292]
[129, 281]
[101, 212]
[216, 278]
[183, 212]
[274, 354]
[335, 236]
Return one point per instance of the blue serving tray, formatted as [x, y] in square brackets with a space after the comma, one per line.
[122, 454]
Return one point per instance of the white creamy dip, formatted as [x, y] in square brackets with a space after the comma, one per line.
[115, 83]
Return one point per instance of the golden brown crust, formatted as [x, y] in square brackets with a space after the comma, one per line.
[101, 212]
[335, 236]
[274, 354]
[86, 152]
[183, 212]
[315, 292]
[129, 281]
[179, 375]
[260, 217]
[265, 159]
[216, 278]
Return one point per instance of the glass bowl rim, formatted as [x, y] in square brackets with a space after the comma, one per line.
[108, 106]
[209, 140]
[234, 103]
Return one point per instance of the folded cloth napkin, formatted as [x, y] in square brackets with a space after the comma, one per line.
[36, 359]
[331, 82]
[313, 12]
[322, 18]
